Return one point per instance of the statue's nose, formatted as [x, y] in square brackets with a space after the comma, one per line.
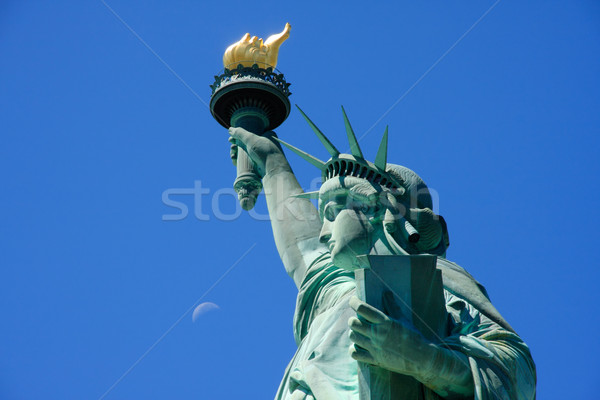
[325, 234]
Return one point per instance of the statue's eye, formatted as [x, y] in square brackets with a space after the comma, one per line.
[369, 210]
[377, 214]
[372, 212]
[331, 211]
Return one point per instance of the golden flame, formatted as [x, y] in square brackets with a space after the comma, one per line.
[252, 50]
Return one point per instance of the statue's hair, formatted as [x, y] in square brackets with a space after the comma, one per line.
[356, 186]
[432, 228]
[414, 185]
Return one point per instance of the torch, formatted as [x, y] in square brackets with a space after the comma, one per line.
[250, 94]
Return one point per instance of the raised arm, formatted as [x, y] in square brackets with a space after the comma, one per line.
[295, 222]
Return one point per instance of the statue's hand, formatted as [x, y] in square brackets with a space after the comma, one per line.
[261, 149]
[389, 343]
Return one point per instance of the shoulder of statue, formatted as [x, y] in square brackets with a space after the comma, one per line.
[457, 275]
[461, 284]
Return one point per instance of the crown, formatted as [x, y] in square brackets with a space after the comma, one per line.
[354, 164]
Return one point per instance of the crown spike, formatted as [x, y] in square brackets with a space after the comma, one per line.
[381, 158]
[307, 195]
[354, 148]
[313, 160]
[326, 142]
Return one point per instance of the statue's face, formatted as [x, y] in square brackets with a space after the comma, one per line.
[351, 222]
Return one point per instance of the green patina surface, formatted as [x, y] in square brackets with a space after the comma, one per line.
[359, 338]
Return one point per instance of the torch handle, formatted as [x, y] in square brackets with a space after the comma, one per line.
[247, 184]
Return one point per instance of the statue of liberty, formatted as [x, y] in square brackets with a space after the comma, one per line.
[384, 210]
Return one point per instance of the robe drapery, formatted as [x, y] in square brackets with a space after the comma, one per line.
[500, 362]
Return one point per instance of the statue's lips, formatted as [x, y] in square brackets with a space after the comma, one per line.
[331, 245]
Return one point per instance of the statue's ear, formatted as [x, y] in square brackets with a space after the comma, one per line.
[445, 235]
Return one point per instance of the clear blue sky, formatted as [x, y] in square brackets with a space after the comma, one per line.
[95, 128]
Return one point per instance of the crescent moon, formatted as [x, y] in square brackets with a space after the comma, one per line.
[203, 308]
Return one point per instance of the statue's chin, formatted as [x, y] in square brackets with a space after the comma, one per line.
[344, 260]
